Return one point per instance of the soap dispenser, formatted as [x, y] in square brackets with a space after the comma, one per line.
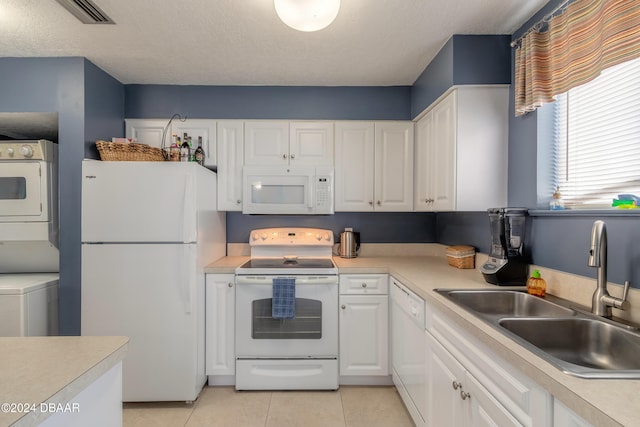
[556, 203]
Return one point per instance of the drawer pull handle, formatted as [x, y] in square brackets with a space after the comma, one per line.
[464, 395]
[364, 285]
[230, 284]
[456, 385]
[343, 306]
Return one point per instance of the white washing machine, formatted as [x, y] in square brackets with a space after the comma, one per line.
[28, 304]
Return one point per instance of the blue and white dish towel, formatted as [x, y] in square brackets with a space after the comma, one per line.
[283, 304]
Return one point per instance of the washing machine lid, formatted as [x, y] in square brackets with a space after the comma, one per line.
[20, 284]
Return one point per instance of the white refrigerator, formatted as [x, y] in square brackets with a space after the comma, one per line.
[148, 231]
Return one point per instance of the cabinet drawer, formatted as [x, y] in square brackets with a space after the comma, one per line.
[375, 284]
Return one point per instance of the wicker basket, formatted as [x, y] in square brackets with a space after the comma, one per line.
[128, 152]
[461, 256]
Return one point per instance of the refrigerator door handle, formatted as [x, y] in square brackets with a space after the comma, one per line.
[186, 279]
[189, 210]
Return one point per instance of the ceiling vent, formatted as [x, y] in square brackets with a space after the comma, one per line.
[86, 11]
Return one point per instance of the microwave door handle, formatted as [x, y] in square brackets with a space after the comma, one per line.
[310, 192]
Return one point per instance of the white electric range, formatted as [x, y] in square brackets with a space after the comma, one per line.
[299, 352]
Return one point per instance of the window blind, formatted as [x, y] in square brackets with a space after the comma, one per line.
[597, 131]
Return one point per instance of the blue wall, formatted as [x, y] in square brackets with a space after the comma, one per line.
[272, 102]
[60, 85]
[463, 60]
[382, 227]
[104, 108]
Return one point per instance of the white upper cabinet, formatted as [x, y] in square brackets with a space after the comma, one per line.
[230, 146]
[198, 128]
[374, 166]
[354, 166]
[394, 166]
[461, 151]
[311, 143]
[266, 142]
[151, 131]
[279, 142]
[148, 131]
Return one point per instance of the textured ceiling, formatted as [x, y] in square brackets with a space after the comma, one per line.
[242, 42]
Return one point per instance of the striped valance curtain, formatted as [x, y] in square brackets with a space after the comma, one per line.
[573, 48]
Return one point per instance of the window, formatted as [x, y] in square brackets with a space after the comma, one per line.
[597, 138]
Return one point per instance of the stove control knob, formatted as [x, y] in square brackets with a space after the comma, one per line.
[254, 236]
[263, 236]
[10, 152]
[327, 237]
[26, 151]
[318, 237]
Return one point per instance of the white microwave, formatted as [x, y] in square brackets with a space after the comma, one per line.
[287, 190]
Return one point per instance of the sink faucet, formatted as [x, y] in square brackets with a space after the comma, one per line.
[602, 302]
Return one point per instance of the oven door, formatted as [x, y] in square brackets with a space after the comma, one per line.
[22, 193]
[312, 333]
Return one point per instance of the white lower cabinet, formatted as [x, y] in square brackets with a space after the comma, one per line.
[364, 319]
[469, 385]
[220, 329]
[456, 398]
[565, 417]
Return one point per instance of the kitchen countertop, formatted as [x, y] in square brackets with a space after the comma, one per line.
[35, 370]
[600, 402]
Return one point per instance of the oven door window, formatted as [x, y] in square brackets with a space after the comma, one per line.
[20, 189]
[306, 325]
[13, 188]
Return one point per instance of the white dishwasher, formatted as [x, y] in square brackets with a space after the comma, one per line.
[408, 349]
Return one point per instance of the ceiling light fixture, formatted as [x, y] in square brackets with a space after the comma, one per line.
[307, 15]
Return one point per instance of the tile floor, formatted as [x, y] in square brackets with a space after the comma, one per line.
[352, 406]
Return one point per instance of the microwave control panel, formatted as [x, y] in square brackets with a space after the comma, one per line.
[324, 191]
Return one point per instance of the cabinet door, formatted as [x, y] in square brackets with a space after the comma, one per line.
[354, 166]
[486, 411]
[266, 142]
[393, 186]
[196, 128]
[148, 131]
[230, 145]
[311, 143]
[364, 335]
[220, 324]
[443, 166]
[565, 417]
[445, 379]
[424, 162]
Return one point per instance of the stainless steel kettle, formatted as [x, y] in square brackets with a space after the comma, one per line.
[349, 243]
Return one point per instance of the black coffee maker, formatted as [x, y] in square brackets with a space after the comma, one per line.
[507, 263]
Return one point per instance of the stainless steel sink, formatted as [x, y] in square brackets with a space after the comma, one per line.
[584, 347]
[568, 337]
[507, 303]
